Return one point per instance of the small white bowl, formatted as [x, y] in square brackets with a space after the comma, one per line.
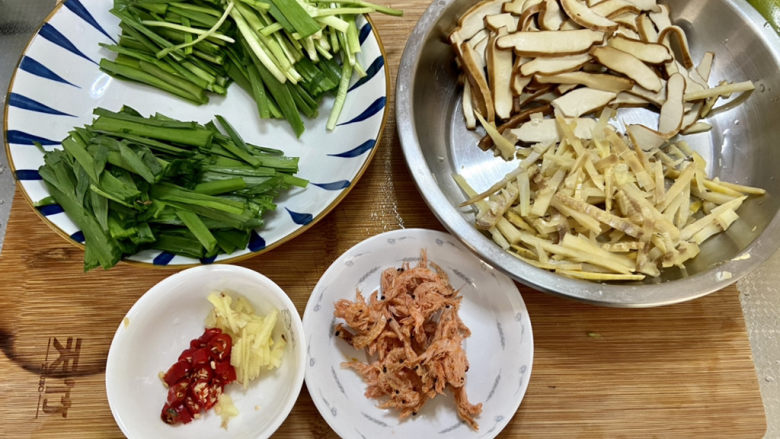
[160, 326]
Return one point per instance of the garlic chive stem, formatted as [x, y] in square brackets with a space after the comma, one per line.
[191, 30]
[271, 28]
[255, 45]
[337, 11]
[202, 36]
[334, 22]
[341, 95]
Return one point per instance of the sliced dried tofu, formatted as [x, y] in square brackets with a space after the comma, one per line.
[646, 29]
[472, 21]
[551, 16]
[569, 24]
[626, 20]
[628, 65]
[476, 78]
[652, 53]
[682, 43]
[480, 51]
[645, 5]
[563, 88]
[468, 109]
[691, 117]
[671, 116]
[582, 101]
[499, 67]
[479, 38]
[551, 43]
[598, 81]
[627, 32]
[546, 130]
[531, 8]
[514, 7]
[612, 8]
[581, 14]
[519, 82]
[527, 98]
[660, 17]
[505, 20]
[517, 7]
[645, 138]
[656, 98]
[626, 99]
[697, 127]
[551, 65]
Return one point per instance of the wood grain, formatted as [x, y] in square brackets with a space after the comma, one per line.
[683, 370]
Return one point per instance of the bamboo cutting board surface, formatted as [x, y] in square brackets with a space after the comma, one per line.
[682, 370]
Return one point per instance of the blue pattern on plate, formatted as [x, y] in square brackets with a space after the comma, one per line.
[77, 8]
[33, 67]
[334, 186]
[495, 385]
[22, 138]
[371, 71]
[374, 420]
[25, 103]
[453, 427]
[356, 151]
[300, 218]
[163, 258]
[364, 32]
[50, 209]
[372, 109]
[78, 236]
[209, 260]
[28, 174]
[256, 242]
[50, 33]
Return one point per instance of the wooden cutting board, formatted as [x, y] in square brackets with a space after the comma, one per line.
[682, 370]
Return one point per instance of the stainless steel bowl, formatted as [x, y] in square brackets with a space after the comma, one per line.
[742, 147]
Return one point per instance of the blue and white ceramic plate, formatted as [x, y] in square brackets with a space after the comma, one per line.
[500, 349]
[58, 83]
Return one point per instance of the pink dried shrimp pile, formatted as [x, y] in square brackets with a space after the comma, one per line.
[413, 335]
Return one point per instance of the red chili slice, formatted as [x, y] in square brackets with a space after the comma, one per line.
[177, 392]
[202, 373]
[195, 382]
[200, 392]
[220, 346]
[186, 355]
[179, 370]
[209, 333]
[191, 406]
[225, 372]
[200, 357]
[176, 414]
[215, 391]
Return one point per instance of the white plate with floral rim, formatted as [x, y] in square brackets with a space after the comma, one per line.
[499, 350]
[57, 84]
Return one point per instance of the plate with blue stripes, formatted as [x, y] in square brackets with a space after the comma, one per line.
[58, 83]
